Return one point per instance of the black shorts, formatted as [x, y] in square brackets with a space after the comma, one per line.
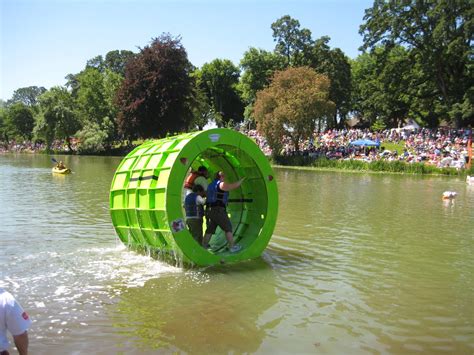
[218, 217]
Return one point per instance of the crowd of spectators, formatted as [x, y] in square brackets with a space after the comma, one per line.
[439, 147]
[30, 147]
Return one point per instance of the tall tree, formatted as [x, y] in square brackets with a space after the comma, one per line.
[219, 79]
[382, 91]
[117, 60]
[91, 95]
[27, 95]
[438, 34]
[4, 134]
[291, 41]
[258, 66]
[156, 95]
[20, 120]
[97, 63]
[291, 105]
[96, 107]
[57, 118]
[335, 65]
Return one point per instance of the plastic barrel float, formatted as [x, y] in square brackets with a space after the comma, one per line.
[146, 196]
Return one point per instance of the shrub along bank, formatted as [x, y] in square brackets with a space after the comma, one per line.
[375, 166]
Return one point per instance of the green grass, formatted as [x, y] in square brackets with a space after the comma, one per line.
[376, 166]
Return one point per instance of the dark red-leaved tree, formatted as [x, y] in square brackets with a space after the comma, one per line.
[156, 95]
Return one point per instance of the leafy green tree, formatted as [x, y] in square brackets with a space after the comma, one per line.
[291, 42]
[96, 63]
[258, 67]
[27, 95]
[156, 95]
[201, 109]
[20, 120]
[291, 105]
[96, 107]
[91, 101]
[219, 79]
[94, 137]
[57, 118]
[117, 60]
[382, 91]
[3, 124]
[114, 61]
[72, 83]
[335, 65]
[438, 35]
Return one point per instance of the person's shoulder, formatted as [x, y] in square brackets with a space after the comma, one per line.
[6, 297]
[201, 180]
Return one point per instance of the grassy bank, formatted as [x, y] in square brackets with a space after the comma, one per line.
[376, 166]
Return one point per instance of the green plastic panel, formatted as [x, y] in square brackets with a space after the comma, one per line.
[146, 196]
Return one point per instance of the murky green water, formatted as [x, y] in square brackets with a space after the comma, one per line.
[359, 264]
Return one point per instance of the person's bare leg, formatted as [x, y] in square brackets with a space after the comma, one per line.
[205, 241]
[230, 239]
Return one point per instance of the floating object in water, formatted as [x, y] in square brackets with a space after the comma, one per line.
[146, 196]
[64, 171]
[447, 195]
[470, 180]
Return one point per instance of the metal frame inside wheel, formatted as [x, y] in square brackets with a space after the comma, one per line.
[146, 196]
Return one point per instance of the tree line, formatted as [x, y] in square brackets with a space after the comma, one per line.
[416, 61]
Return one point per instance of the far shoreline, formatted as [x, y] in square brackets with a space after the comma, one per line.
[430, 171]
[358, 171]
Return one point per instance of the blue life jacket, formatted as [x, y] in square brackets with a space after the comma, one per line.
[216, 196]
[193, 210]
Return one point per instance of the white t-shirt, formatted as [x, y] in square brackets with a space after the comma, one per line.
[12, 318]
[200, 180]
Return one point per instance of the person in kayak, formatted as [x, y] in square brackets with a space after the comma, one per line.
[60, 165]
[217, 196]
[194, 208]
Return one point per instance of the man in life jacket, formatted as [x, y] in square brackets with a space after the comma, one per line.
[198, 177]
[217, 195]
[194, 208]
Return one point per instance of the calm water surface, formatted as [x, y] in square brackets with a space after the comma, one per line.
[358, 264]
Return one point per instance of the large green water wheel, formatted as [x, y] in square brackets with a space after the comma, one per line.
[146, 197]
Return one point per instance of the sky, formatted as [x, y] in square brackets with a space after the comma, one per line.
[42, 41]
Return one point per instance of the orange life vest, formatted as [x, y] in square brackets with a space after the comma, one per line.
[189, 183]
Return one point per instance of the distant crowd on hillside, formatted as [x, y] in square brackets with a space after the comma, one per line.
[34, 147]
[438, 147]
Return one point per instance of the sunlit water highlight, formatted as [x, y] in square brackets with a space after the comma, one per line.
[358, 264]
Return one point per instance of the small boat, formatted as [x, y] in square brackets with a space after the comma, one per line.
[57, 170]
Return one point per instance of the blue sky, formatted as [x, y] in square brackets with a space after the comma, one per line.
[41, 41]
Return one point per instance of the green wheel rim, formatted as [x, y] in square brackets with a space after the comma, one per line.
[146, 196]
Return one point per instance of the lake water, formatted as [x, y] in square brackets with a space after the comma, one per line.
[358, 264]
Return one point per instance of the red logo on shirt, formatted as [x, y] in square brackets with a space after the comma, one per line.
[25, 316]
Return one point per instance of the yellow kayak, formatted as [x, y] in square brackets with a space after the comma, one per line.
[61, 171]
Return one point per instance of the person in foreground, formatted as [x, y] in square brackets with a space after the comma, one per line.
[194, 208]
[14, 319]
[217, 195]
